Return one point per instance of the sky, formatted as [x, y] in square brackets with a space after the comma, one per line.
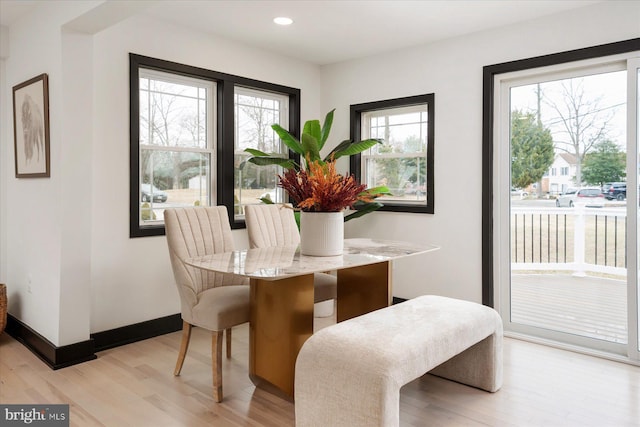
[603, 96]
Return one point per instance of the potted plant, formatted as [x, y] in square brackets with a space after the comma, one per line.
[316, 187]
[313, 138]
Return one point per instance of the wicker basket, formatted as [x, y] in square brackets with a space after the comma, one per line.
[3, 307]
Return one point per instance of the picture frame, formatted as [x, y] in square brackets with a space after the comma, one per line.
[31, 128]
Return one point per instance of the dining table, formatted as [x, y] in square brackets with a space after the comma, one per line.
[282, 296]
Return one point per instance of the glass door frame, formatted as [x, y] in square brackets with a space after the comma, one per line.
[497, 224]
[633, 210]
[503, 107]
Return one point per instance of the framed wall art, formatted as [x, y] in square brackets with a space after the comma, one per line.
[31, 127]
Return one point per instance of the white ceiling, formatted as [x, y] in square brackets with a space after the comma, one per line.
[12, 10]
[329, 31]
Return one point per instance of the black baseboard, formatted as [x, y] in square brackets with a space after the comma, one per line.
[61, 357]
[136, 332]
[397, 300]
[55, 357]
[72, 354]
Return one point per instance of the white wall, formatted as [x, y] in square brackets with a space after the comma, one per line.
[133, 277]
[5, 135]
[70, 266]
[452, 69]
[33, 209]
[69, 236]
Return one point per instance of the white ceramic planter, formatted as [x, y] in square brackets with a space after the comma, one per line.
[321, 233]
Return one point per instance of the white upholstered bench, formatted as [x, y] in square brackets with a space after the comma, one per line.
[350, 374]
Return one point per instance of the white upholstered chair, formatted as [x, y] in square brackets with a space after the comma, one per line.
[213, 301]
[275, 225]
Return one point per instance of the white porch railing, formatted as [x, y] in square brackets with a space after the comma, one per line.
[576, 239]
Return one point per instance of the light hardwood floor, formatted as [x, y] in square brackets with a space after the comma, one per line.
[133, 385]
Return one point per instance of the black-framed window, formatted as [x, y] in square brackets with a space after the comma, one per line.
[184, 138]
[404, 161]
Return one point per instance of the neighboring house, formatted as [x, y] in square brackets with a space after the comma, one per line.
[561, 174]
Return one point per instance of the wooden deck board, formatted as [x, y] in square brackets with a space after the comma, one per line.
[589, 306]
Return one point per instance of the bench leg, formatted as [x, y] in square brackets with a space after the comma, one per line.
[334, 398]
[479, 366]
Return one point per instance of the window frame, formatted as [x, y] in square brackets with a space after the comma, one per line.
[223, 174]
[210, 87]
[274, 96]
[355, 162]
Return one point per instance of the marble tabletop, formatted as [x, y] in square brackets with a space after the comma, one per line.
[286, 261]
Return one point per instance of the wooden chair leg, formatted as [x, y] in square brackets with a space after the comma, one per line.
[228, 343]
[216, 364]
[184, 345]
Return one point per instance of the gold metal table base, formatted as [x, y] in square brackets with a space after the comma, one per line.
[363, 289]
[282, 318]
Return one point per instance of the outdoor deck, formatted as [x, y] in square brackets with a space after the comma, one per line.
[589, 306]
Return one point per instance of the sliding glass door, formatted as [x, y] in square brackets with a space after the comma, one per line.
[568, 204]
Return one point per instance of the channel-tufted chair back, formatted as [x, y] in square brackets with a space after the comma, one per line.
[271, 225]
[210, 300]
[275, 225]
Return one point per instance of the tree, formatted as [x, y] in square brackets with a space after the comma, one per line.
[582, 120]
[415, 167]
[531, 149]
[255, 115]
[389, 168]
[168, 121]
[605, 164]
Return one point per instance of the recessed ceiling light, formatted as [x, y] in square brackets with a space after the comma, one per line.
[283, 20]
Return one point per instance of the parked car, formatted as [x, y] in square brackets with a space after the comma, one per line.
[615, 190]
[518, 192]
[147, 191]
[590, 197]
